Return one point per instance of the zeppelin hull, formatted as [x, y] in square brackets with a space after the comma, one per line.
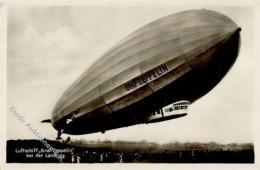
[190, 86]
[179, 57]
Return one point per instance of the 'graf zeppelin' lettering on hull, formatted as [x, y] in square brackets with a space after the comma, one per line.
[146, 78]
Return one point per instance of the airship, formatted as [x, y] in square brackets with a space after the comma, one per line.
[151, 74]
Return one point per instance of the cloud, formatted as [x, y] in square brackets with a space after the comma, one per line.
[35, 57]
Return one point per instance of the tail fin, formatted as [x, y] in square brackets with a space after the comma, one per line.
[46, 121]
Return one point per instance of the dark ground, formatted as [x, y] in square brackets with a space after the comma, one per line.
[33, 151]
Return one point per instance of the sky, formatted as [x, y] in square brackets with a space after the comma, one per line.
[50, 46]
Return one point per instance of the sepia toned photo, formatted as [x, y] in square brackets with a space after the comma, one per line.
[124, 84]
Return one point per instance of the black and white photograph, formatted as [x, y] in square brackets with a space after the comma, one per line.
[130, 83]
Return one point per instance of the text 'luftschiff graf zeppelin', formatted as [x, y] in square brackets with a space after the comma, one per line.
[146, 78]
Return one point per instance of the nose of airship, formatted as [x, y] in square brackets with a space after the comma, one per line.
[204, 31]
[207, 49]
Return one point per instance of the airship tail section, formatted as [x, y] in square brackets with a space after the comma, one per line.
[46, 121]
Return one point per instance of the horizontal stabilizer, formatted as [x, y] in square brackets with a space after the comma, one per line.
[46, 121]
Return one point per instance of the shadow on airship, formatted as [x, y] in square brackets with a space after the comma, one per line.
[176, 59]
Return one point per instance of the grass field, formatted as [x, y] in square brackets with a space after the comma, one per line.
[34, 151]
